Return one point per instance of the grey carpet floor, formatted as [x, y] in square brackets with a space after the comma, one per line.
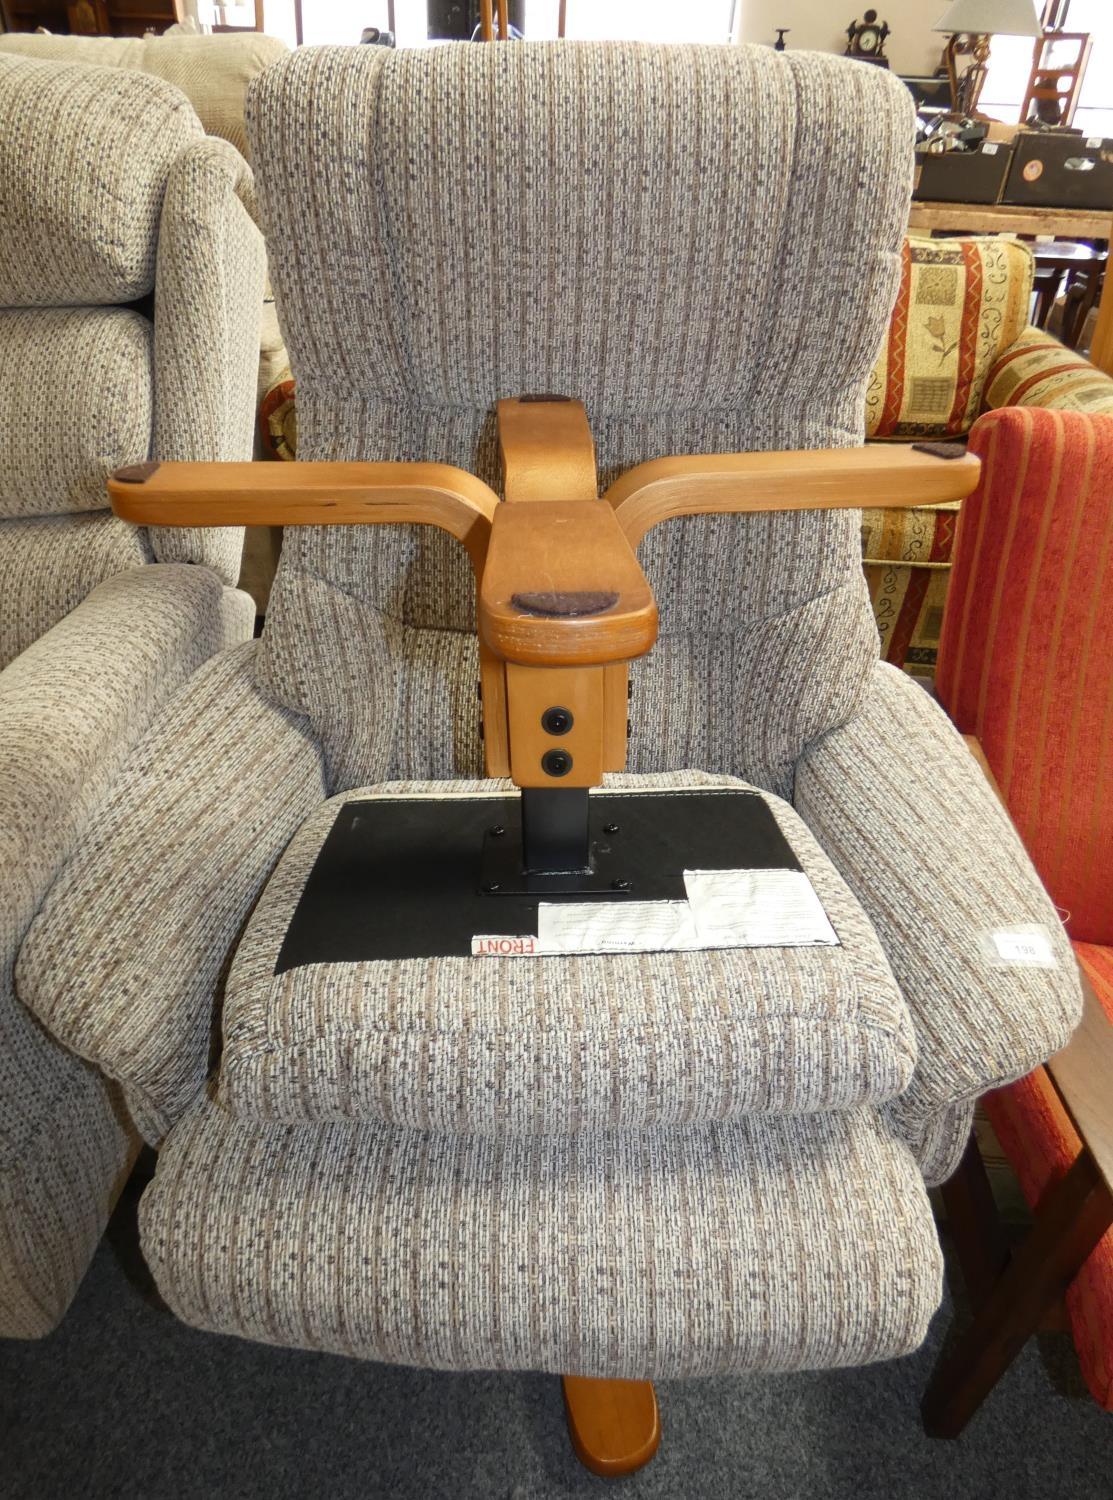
[124, 1401]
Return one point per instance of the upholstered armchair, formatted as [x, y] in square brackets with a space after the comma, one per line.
[613, 1166]
[1023, 666]
[130, 278]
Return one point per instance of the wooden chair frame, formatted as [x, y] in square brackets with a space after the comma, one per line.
[1016, 1293]
[563, 606]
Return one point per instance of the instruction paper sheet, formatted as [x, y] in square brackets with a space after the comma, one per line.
[723, 909]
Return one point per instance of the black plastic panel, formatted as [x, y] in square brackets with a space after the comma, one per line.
[404, 878]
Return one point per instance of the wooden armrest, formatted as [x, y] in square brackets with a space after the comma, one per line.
[547, 450]
[1083, 1075]
[818, 479]
[307, 494]
[562, 587]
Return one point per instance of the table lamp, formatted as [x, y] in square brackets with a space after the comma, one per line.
[971, 23]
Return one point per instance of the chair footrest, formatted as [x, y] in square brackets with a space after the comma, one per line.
[770, 1244]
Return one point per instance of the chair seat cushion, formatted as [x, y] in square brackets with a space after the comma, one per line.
[1042, 1144]
[508, 1045]
[774, 1243]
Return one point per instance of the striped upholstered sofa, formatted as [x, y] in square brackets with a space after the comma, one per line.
[958, 344]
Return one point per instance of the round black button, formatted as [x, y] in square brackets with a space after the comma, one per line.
[556, 763]
[557, 720]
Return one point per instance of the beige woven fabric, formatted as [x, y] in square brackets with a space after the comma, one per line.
[770, 1244]
[71, 707]
[48, 565]
[213, 72]
[109, 190]
[905, 813]
[196, 821]
[561, 1044]
[588, 292]
[939, 1142]
[208, 299]
[84, 155]
[75, 403]
[55, 1200]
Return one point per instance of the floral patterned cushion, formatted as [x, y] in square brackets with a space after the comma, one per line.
[961, 303]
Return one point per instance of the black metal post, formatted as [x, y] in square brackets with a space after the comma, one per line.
[554, 829]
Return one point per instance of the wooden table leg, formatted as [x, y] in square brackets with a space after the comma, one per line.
[614, 1424]
[1101, 350]
[1073, 1215]
[975, 1225]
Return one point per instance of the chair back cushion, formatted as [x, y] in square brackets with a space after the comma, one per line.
[961, 303]
[80, 197]
[131, 276]
[1024, 656]
[701, 243]
[213, 72]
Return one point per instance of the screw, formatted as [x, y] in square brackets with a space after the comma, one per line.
[620, 885]
[611, 828]
[497, 831]
[556, 763]
[491, 887]
[557, 720]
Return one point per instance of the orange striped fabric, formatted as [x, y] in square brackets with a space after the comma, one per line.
[1024, 658]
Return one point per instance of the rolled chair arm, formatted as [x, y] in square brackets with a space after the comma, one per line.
[904, 810]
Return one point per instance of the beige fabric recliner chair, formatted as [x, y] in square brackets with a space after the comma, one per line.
[612, 1165]
[131, 272]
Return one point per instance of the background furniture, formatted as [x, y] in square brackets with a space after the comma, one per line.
[1082, 267]
[130, 279]
[1024, 666]
[959, 344]
[91, 17]
[1003, 218]
[1053, 87]
[972, 23]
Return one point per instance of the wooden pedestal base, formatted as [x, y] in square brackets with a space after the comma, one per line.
[614, 1424]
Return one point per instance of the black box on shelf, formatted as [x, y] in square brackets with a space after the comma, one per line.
[962, 176]
[1061, 169]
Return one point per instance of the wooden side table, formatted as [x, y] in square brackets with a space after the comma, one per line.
[1004, 218]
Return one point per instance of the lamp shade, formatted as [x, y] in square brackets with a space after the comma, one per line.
[991, 18]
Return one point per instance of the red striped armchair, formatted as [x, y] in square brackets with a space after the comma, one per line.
[1024, 665]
